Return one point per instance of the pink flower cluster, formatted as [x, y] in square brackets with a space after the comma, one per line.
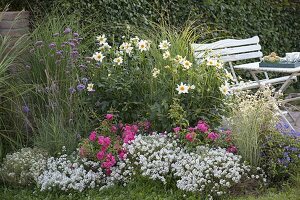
[213, 136]
[105, 144]
[108, 163]
[202, 133]
[202, 126]
[129, 132]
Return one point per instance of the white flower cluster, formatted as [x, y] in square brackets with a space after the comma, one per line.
[153, 155]
[121, 173]
[210, 171]
[65, 174]
[22, 167]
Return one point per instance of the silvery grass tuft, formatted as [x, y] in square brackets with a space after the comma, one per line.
[11, 123]
[253, 117]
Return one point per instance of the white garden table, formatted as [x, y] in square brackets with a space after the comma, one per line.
[291, 73]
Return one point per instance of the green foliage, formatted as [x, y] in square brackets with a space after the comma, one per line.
[280, 157]
[143, 189]
[177, 114]
[144, 84]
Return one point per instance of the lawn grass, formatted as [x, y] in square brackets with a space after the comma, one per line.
[139, 190]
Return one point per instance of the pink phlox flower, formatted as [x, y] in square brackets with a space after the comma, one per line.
[104, 141]
[114, 129]
[228, 132]
[109, 117]
[128, 136]
[122, 154]
[101, 140]
[129, 133]
[202, 126]
[82, 152]
[109, 161]
[147, 125]
[135, 128]
[232, 149]
[93, 136]
[100, 155]
[191, 129]
[176, 129]
[107, 141]
[108, 172]
[213, 136]
[190, 136]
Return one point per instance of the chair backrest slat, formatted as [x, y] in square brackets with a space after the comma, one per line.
[243, 56]
[230, 50]
[226, 43]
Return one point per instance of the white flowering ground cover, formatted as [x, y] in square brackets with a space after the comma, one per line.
[208, 171]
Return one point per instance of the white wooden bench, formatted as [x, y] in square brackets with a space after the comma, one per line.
[233, 50]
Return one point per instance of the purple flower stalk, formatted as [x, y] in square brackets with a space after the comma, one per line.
[84, 80]
[25, 109]
[74, 53]
[72, 90]
[76, 34]
[67, 30]
[52, 45]
[59, 52]
[80, 87]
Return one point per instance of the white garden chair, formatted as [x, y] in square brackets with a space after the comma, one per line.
[246, 50]
[232, 50]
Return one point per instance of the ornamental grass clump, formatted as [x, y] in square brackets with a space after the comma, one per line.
[57, 113]
[12, 134]
[253, 117]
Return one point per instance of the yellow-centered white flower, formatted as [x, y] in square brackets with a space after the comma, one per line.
[143, 45]
[118, 60]
[166, 55]
[182, 88]
[90, 87]
[212, 62]
[186, 64]
[178, 59]
[98, 56]
[101, 39]
[225, 88]
[192, 87]
[219, 65]
[164, 45]
[125, 46]
[228, 75]
[135, 39]
[155, 72]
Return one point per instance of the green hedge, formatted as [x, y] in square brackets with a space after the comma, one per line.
[275, 21]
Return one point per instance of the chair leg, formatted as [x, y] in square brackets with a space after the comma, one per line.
[286, 120]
